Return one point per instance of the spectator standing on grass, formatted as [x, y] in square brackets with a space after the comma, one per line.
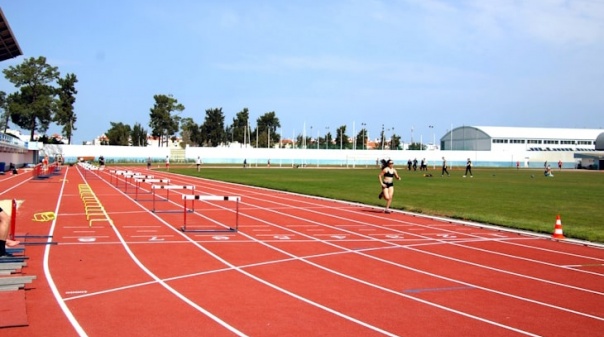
[148, 163]
[559, 164]
[167, 163]
[468, 168]
[444, 170]
[386, 178]
[198, 163]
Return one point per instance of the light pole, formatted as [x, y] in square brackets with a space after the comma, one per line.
[327, 138]
[311, 134]
[364, 146]
[382, 136]
[411, 135]
[245, 134]
[433, 136]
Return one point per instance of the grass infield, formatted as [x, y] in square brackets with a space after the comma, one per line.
[522, 199]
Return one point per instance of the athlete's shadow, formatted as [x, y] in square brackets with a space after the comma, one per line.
[374, 210]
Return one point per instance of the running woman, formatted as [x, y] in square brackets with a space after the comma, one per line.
[386, 178]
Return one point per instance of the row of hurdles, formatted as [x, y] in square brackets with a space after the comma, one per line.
[152, 185]
[45, 171]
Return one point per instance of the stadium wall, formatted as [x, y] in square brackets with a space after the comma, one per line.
[310, 157]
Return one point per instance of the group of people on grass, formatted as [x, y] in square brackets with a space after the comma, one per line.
[412, 164]
[388, 173]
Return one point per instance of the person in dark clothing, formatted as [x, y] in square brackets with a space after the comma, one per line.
[444, 170]
[468, 168]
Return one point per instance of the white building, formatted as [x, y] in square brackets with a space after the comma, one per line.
[507, 139]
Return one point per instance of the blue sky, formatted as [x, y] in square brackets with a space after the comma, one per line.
[403, 64]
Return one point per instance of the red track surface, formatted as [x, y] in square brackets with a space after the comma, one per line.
[298, 266]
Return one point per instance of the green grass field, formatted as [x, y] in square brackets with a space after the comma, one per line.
[521, 199]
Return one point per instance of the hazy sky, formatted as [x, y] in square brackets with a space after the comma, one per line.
[403, 64]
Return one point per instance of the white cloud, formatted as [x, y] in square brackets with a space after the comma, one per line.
[555, 22]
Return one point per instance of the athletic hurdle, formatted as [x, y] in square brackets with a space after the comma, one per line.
[13, 220]
[138, 181]
[87, 167]
[168, 188]
[120, 173]
[117, 173]
[133, 176]
[57, 170]
[237, 199]
[41, 172]
[13, 227]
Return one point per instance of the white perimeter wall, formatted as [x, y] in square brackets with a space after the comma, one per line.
[314, 157]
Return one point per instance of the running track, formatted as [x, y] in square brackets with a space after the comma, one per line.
[298, 266]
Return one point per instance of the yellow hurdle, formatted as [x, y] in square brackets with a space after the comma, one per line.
[92, 206]
[44, 216]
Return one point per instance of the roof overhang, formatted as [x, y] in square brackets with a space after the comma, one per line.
[9, 47]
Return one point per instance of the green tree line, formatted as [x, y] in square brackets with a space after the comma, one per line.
[42, 97]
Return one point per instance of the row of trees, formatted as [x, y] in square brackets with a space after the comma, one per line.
[43, 97]
[214, 131]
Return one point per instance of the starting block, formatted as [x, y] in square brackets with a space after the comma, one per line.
[168, 188]
[236, 199]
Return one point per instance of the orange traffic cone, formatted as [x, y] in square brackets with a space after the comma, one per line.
[558, 229]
